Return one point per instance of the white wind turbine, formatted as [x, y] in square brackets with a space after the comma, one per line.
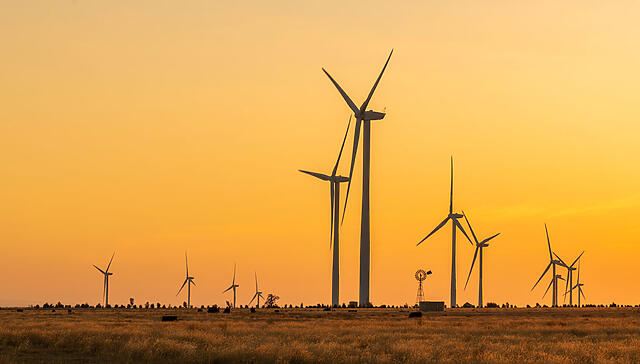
[334, 181]
[106, 273]
[552, 263]
[455, 224]
[188, 281]
[257, 295]
[569, 282]
[363, 118]
[233, 286]
[479, 247]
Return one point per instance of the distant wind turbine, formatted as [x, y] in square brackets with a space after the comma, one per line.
[363, 116]
[188, 281]
[106, 273]
[554, 283]
[579, 287]
[569, 282]
[479, 246]
[233, 286]
[257, 295]
[455, 224]
[334, 181]
[552, 263]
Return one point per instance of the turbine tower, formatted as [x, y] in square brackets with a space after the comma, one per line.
[455, 224]
[579, 287]
[188, 281]
[569, 282]
[233, 286]
[479, 246]
[552, 263]
[334, 239]
[257, 295]
[105, 284]
[554, 283]
[363, 119]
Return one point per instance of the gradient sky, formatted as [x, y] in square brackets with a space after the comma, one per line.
[155, 127]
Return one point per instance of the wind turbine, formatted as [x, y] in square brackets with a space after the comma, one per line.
[106, 273]
[363, 116]
[257, 295]
[334, 181]
[188, 281]
[552, 263]
[455, 224]
[479, 246]
[569, 282]
[578, 286]
[233, 286]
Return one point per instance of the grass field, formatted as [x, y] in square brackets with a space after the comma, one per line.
[587, 335]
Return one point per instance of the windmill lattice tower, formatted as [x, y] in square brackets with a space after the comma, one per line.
[421, 275]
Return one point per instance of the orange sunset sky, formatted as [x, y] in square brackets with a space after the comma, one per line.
[151, 128]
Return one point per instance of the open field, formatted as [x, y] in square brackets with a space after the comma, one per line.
[596, 335]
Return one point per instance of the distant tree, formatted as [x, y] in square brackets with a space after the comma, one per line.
[131, 301]
[158, 305]
[270, 302]
[184, 304]
[146, 305]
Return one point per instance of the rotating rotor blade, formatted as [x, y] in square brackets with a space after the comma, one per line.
[228, 289]
[487, 239]
[186, 263]
[470, 228]
[108, 266]
[548, 241]
[234, 275]
[181, 287]
[256, 274]
[545, 292]
[192, 281]
[575, 261]
[459, 225]
[561, 261]
[254, 297]
[451, 191]
[323, 177]
[582, 293]
[472, 263]
[578, 273]
[346, 97]
[335, 167]
[543, 273]
[363, 108]
[101, 271]
[566, 283]
[356, 137]
[434, 230]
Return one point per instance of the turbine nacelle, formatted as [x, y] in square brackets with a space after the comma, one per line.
[372, 115]
[456, 216]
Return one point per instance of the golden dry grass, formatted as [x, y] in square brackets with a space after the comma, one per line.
[593, 335]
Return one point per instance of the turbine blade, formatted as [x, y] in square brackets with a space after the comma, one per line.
[186, 263]
[181, 287]
[346, 97]
[254, 297]
[434, 230]
[323, 177]
[459, 225]
[256, 274]
[470, 228]
[487, 239]
[548, 241]
[227, 289]
[543, 273]
[578, 273]
[363, 108]
[575, 261]
[101, 271]
[335, 168]
[108, 266]
[561, 261]
[451, 194]
[545, 292]
[356, 137]
[234, 274]
[582, 293]
[472, 263]
[193, 281]
[566, 284]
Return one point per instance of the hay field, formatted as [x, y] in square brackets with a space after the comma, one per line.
[587, 335]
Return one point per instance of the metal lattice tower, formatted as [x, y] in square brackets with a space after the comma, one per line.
[420, 275]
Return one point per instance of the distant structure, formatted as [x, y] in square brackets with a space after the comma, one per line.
[188, 281]
[420, 275]
[363, 116]
[554, 283]
[569, 282]
[257, 295]
[334, 181]
[455, 224]
[552, 264]
[106, 274]
[479, 246]
[579, 287]
[233, 286]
